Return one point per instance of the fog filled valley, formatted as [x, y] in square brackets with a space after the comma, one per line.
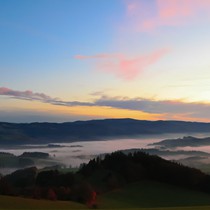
[92, 166]
[73, 155]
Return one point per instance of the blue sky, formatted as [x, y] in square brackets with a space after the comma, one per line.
[104, 55]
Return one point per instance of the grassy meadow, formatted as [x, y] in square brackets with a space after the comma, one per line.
[14, 203]
[148, 194]
[8, 202]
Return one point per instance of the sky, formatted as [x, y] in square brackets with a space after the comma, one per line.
[68, 60]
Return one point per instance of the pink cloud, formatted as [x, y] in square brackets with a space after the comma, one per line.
[32, 96]
[147, 17]
[122, 66]
[27, 95]
[174, 8]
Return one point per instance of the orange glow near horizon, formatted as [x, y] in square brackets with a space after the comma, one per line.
[93, 112]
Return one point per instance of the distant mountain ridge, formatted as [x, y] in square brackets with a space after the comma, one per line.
[26, 133]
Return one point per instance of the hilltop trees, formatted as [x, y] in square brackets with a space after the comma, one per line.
[139, 165]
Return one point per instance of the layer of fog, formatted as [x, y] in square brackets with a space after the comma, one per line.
[76, 153]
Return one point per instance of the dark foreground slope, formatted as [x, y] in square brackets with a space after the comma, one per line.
[132, 197]
[151, 194]
[11, 203]
[115, 175]
[11, 133]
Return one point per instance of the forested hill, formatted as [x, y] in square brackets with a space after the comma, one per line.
[118, 168]
[17, 133]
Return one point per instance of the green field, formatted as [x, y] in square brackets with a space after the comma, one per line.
[14, 203]
[149, 194]
[7, 202]
[145, 195]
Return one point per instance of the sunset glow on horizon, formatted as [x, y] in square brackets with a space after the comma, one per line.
[66, 60]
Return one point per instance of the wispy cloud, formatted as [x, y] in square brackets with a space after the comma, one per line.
[30, 95]
[123, 66]
[164, 13]
[167, 108]
[26, 95]
[152, 106]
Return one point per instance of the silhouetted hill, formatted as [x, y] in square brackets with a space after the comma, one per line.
[187, 141]
[21, 133]
[117, 169]
[159, 152]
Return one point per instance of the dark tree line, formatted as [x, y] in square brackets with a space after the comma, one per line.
[51, 185]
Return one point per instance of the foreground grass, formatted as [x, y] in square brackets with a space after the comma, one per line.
[172, 208]
[153, 195]
[8, 202]
[17, 203]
